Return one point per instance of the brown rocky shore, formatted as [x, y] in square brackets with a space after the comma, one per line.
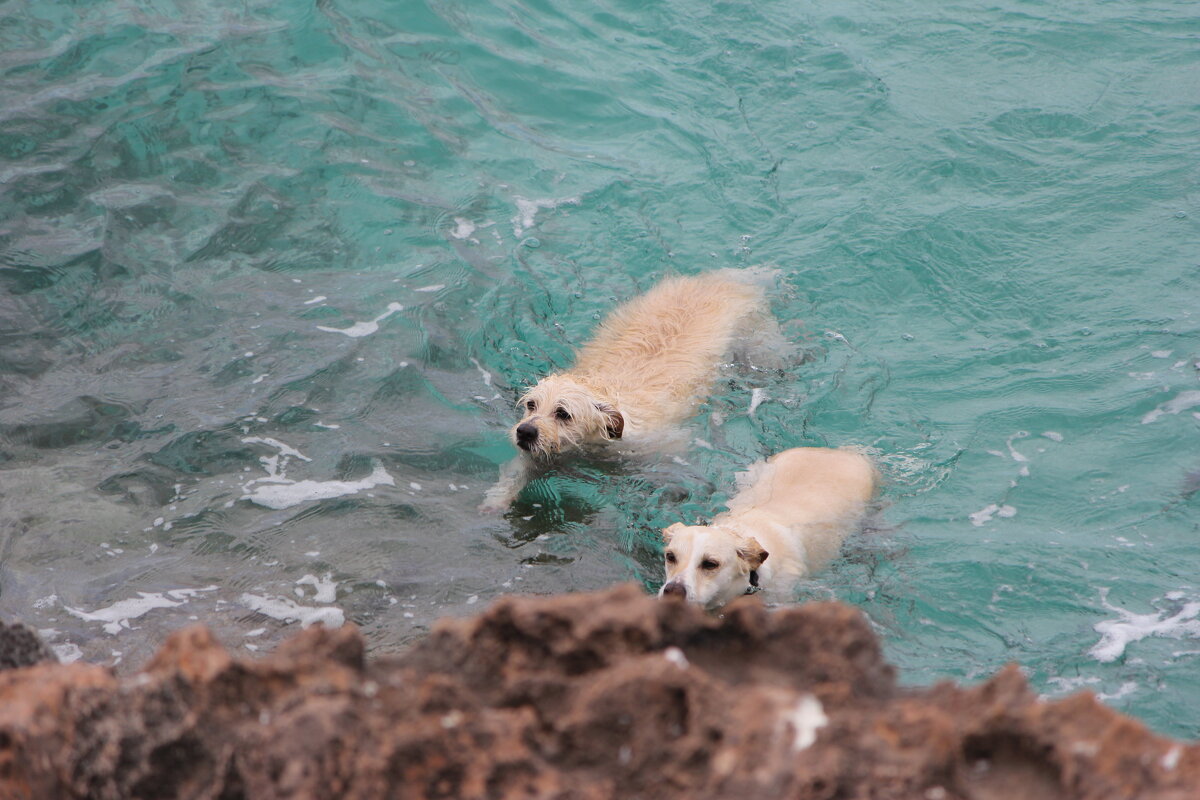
[607, 695]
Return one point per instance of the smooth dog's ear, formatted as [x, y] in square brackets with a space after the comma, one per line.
[669, 531]
[752, 553]
[616, 423]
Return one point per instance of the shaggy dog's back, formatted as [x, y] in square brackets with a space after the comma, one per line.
[662, 346]
[643, 372]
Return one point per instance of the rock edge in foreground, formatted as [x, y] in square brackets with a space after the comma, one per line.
[605, 695]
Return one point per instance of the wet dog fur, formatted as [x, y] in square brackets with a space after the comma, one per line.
[787, 521]
[645, 369]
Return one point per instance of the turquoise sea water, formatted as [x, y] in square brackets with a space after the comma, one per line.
[986, 220]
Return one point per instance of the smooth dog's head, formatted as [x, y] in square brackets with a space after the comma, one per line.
[708, 565]
[562, 414]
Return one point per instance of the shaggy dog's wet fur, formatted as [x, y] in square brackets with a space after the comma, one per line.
[645, 369]
[787, 521]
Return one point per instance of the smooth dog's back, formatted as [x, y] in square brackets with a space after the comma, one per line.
[815, 492]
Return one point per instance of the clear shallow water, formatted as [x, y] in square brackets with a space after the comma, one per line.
[243, 243]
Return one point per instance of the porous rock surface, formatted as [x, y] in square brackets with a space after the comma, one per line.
[607, 695]
[21, 647]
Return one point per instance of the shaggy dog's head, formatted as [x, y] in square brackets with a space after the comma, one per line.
[709, 565]
[561, 414]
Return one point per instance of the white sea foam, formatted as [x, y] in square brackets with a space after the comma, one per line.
[433, 287]
[1064, 685]
[985, 514]
[285, 495]
[116, 617]
[1020, 458]
[359, 329]
[326, 587]
[1117, 634]
[284, 449]
[276, 465]
[757, 396]
[463, 228]
[286, 610]
[67, 652]
[1181, 402]
[1129, 687]
[527, 210]
[319, 298]
[487, 376]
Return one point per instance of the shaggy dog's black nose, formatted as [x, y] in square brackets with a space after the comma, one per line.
[527, 434]
[675, 590]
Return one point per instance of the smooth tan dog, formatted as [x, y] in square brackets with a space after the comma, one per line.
[644, 371]
[787, 520]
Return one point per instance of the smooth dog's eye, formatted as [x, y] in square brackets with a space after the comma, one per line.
[529, 404]
[562, 415]
[708, 563]
[670, 557]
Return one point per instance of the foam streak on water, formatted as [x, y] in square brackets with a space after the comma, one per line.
[292, 493]
[117, 616]
[360, 329]
[286, 610]
[1118, 634]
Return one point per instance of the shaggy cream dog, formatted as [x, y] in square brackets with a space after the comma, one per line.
[644, 371]
[787, 521]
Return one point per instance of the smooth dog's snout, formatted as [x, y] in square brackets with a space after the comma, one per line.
[527, 434]
[674, 589]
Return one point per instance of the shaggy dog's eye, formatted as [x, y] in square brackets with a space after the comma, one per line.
[708, 563]
[562, 416]
[529, 404]
[670, 558]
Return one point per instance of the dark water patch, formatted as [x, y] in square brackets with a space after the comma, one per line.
[253, 222]
[207, 453]
[144, 487]
[22, 137]
[1035, 123]
[84, 419]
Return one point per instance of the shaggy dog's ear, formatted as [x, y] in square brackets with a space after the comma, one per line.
[752, 553]
[616, 422]
[670, 531]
